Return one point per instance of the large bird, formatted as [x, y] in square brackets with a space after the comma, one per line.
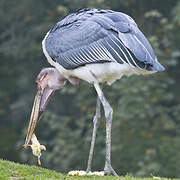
[97, 46]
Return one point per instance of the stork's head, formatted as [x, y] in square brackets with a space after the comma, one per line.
[48, 80]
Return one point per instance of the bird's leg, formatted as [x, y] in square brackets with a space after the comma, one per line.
[108, 115]
[95, 126]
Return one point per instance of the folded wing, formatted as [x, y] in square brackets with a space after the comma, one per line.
[98, 37]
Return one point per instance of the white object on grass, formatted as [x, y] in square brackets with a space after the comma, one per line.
[83, 173]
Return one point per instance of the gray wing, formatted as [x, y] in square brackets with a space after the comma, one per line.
[135, 42]
[133, 39]
[95, 37]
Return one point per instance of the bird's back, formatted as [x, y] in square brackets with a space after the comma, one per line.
[90, 36]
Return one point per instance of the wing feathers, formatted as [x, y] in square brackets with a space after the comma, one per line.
[97, 36]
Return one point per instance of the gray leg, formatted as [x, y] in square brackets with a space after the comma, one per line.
[108, 114]
[95, 126]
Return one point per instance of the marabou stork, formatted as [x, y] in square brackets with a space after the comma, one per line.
[97, 46]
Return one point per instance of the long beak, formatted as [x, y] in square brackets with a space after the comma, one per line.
[34, 118]
[40, 102]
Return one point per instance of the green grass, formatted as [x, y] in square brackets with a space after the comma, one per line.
[14, 171]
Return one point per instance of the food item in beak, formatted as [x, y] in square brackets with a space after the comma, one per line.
[36, 148]
[40, 101]
[34, 118]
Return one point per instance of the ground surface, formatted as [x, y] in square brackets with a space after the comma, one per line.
[15, 171]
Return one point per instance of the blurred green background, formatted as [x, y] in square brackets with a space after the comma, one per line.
[146, 121]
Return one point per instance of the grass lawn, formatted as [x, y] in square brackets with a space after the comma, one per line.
[14, 171]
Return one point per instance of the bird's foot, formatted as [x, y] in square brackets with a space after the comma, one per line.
[88, 170]
[108, 170]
